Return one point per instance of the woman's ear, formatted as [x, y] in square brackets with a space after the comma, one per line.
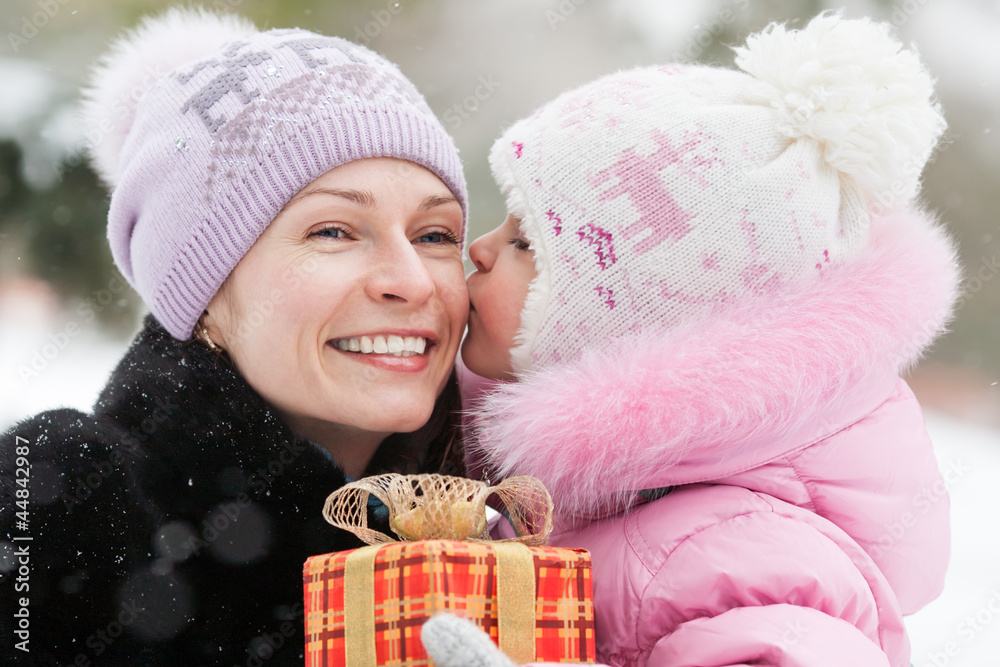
[217, 321]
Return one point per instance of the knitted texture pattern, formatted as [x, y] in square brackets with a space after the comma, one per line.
[658, 195]
[220, 143]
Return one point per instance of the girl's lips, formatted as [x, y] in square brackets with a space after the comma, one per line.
[388, 362]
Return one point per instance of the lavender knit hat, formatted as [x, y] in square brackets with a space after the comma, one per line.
[204, 127]
[656, 196]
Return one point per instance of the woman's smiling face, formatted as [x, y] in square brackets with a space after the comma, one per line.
[349, 309]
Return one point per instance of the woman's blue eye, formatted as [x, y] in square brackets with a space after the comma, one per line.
[331, 233]
[438, 237]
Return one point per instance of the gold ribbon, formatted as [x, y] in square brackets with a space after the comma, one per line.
[359, 606]
[441, 507]
[516, 601]
[438, 507]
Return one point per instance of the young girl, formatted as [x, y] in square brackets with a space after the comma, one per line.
[706, 290]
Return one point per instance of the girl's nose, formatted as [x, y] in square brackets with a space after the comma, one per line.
[481, 253]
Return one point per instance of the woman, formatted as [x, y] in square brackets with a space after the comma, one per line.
[292, 213]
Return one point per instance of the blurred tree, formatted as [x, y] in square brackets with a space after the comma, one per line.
[59, 233]
[14, 193]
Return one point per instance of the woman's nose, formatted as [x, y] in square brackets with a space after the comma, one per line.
[401, 274]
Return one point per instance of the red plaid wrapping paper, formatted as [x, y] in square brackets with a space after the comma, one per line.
[415, 580]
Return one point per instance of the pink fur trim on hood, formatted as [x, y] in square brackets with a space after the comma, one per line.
[734, 390]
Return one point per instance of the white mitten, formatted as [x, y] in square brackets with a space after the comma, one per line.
[451, 641]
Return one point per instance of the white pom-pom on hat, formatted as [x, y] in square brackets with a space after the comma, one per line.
[853, 88]
[133, 65]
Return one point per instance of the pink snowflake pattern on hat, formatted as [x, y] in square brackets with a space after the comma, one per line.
[605, 250]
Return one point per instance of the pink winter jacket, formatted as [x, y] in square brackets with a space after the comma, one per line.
[807, 514]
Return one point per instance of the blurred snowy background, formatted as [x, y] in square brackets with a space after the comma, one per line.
[66, 315]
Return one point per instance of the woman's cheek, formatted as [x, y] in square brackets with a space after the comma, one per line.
[455, 293]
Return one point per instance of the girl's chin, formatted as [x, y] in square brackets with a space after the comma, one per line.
[491, 371]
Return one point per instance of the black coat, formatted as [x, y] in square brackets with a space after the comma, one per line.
[170, 526]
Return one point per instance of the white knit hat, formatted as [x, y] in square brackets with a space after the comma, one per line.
[653, 196]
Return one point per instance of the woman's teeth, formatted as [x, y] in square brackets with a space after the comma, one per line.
[397, 346]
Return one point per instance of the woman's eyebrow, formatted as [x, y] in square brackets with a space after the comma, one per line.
[431, 201]
[360, 197]
[367, 199]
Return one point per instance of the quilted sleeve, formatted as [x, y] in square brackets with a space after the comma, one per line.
[771, 585]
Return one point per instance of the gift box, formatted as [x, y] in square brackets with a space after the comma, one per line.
[385, 594]
[365, 607]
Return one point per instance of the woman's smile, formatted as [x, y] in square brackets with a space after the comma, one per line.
[400, 351]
